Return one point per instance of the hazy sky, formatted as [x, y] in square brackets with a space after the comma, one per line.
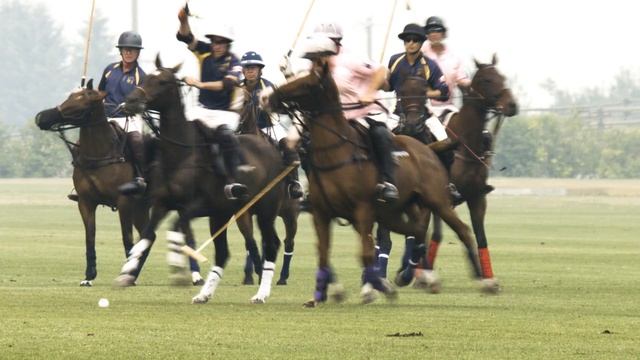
[577, 43]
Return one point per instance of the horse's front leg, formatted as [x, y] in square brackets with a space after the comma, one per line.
[266, 223]
[477, 210]
[221, 257]
[88, 214]
[139, 252]
[363, 223]
[290, 219]
[253, 260]
[324, 275]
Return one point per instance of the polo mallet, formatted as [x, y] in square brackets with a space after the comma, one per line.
[304, 21]
[87, 45]
[407, 5]
[195, 254]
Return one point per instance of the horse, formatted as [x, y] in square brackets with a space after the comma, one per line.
[189, 182]
[342, 184]
[488, 94]
[100, 165]
[289, 210]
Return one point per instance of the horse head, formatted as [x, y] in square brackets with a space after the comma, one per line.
[82, 107]
[159, 90]
[412, 96]
[314, 93]
[490, 85]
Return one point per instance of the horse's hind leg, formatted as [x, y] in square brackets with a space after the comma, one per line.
[290, 219]
[434, 243]
[125, 213]
[266, 222]
[477, 210]
[88, 213]
[463, 232]
[253, 260]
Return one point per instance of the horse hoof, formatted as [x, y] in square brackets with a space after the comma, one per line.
[86, 283]
[368, 294]
[196, 279]
[427, 280]
[390, 291]
[490, 286]
[124, 280]
[337, 293]
[200, 299]
[310, 304]
[248, 280]
[282, 282]
[258, 300]
[402, 278]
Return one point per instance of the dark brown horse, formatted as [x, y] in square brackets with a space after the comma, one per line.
[289, 210]
[100, 166]
[487, 96]
[342, 182]
[187, 181]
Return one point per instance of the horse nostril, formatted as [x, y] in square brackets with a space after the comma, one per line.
[513, 108]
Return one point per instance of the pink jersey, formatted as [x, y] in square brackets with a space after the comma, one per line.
[451, 66]
[353, 78]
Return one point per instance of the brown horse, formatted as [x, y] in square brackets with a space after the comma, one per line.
[189, 182]
[289, 210]
[470, 169]
[342, 182]
[100, 166]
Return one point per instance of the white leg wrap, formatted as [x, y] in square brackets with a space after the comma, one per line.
[134, 256]
[436, 128]
[175, 257]
[139, 248]
[264, 291]
[209, 287]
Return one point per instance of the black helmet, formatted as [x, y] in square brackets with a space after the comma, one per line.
[434, 24]
[130, 39]
[413, 29]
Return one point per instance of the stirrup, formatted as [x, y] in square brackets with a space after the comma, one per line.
[234, 191]
[137, 186]
[295, 190]
[387, 192]
[456, 197]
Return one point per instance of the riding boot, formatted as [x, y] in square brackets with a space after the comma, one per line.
[230, 151]
[289, 157]
[136, 146]
[381, 140]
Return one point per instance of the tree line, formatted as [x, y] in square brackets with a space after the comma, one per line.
[531, 146]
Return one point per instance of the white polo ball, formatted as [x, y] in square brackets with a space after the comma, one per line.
[103, 303]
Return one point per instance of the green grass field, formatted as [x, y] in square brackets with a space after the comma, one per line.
[569, 267]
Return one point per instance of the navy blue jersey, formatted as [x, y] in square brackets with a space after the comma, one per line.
[212, 69]
[400, 69]
[264, 119]
[118, 84]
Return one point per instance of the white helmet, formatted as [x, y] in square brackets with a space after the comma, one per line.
[330, 30]
[218, 30]
[318, 45]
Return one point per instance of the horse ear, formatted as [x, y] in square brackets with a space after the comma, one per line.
[158, 62]
[478, 65]
[494, 59]
[176, 68]
[90, 84]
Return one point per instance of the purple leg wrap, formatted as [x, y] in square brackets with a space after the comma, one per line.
[323, 277]
[372, 276]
